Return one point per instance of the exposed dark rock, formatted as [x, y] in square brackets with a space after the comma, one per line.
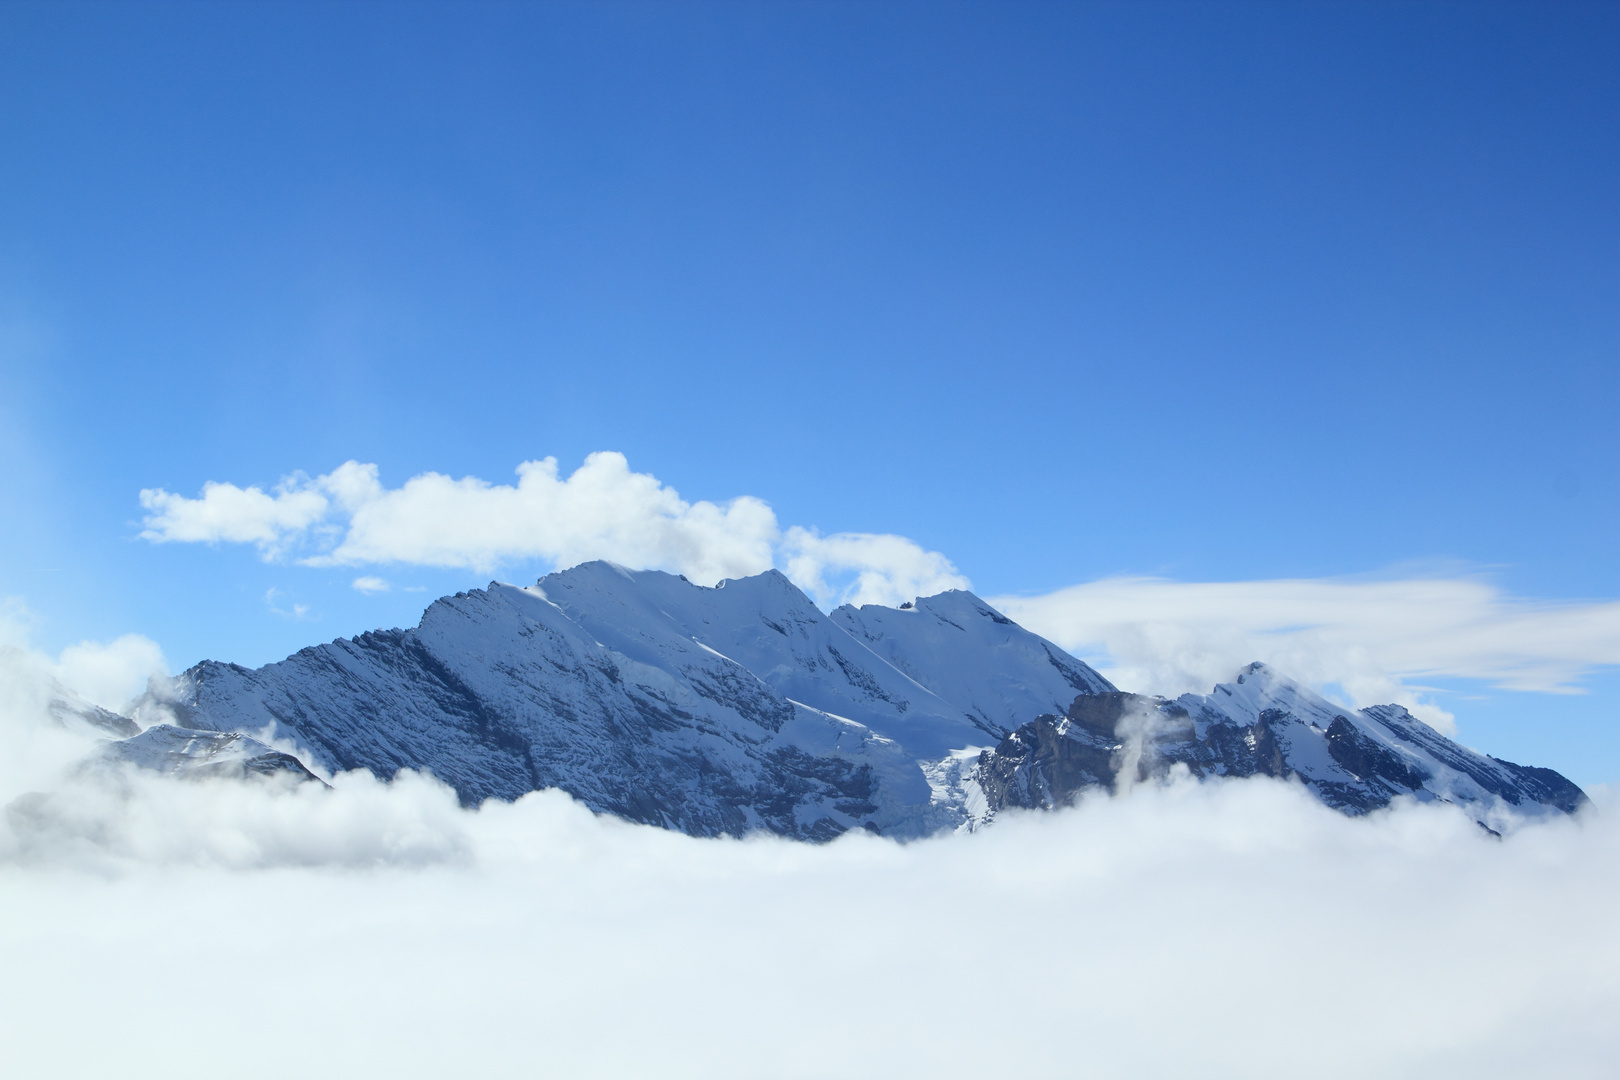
[1353, 765]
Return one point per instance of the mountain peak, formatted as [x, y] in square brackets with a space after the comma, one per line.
[742, 707]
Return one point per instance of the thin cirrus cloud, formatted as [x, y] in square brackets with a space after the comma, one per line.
[602, 510]
[1372, 638]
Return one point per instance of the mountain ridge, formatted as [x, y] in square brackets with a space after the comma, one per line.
[743, 707]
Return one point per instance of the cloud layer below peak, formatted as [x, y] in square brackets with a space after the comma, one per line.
[383, 928]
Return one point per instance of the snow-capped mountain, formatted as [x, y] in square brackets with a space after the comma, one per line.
[744, 707]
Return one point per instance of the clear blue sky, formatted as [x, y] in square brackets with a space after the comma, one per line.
[1207, 291]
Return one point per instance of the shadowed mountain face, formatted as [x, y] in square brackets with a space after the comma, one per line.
[1259, 725]
[744, 707]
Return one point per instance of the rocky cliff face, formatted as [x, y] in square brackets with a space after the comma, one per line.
[743, 707]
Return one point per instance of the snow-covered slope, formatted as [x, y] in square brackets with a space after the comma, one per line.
[969, 653]
[1262, 724]
[744, 707]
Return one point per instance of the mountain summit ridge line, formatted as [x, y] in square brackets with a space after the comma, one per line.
[743, 707]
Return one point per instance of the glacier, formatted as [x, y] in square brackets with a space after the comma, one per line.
[743, 707]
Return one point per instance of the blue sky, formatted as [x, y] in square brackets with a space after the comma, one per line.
[1204, 293]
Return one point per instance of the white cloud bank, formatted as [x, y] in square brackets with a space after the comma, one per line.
[602, 511]
[1220, 930]
[1369, 637]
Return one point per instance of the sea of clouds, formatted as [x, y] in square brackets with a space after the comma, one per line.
[189, 928]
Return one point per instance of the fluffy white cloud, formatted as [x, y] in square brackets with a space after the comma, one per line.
[370, 585]
[1367, 636]
[602, 511]
[236, 515]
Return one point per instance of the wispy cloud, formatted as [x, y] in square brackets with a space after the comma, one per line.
[602, 510]
[296, 612]
[370, 585]
[1373, 638]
